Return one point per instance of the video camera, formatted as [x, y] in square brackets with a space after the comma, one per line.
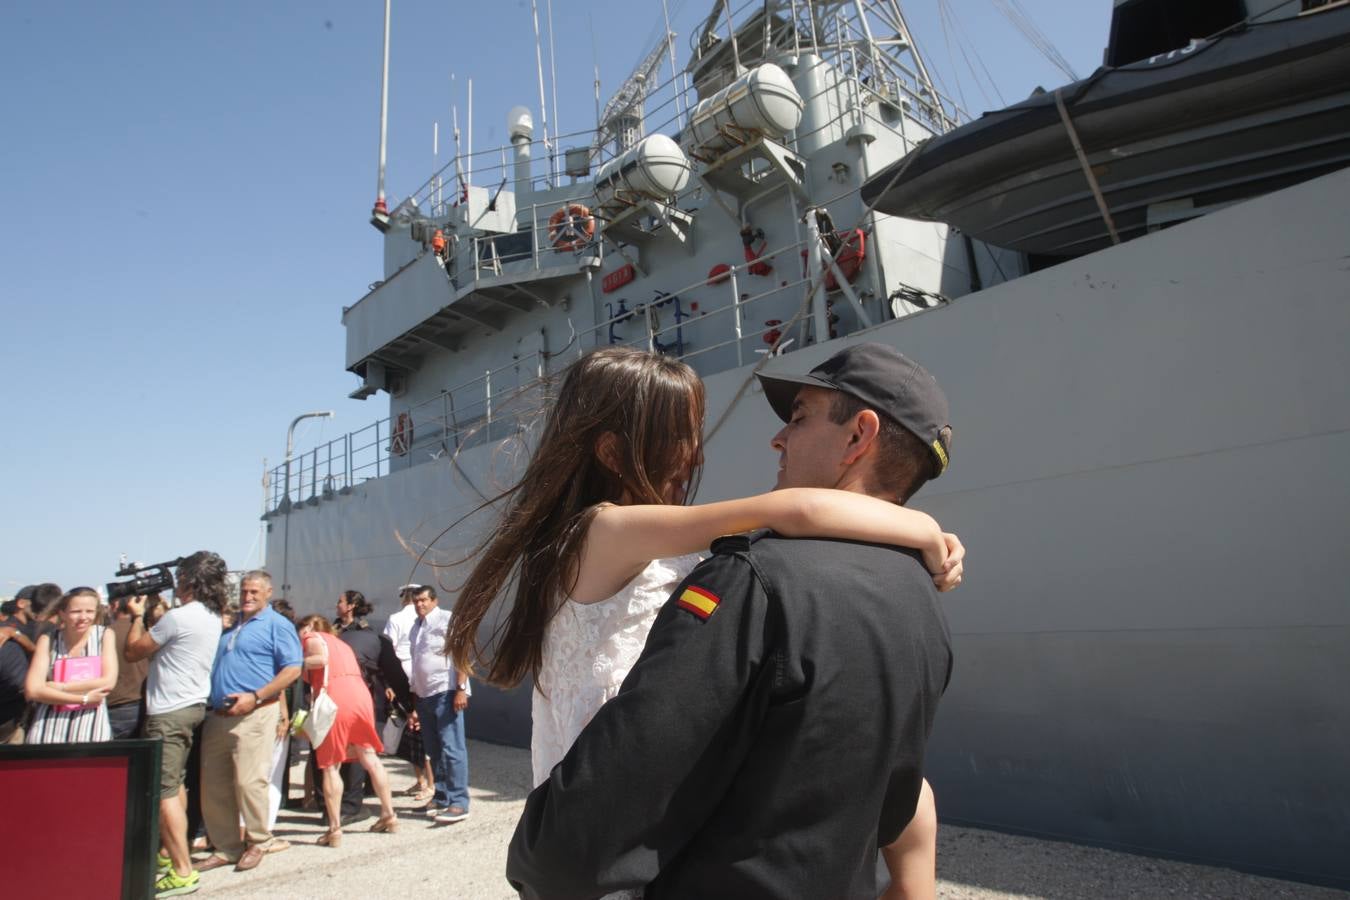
[159, 579]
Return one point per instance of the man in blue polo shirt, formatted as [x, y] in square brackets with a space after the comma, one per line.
[258, 658]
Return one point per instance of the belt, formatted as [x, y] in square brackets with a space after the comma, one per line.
[221, 709]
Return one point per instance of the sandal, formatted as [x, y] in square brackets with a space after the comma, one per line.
[386, 826]
[330, 839]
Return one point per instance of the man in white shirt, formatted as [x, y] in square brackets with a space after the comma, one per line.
[400, 626]
[181, 648]
[442, 696]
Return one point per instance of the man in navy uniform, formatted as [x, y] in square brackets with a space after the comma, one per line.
[771, 737]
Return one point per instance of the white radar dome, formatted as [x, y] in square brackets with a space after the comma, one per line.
[519, 122]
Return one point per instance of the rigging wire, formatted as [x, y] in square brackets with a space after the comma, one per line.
[1020, 19]
[963, 41]
[947, 39]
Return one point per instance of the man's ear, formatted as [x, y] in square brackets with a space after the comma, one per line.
[607, 451]
[866, 426]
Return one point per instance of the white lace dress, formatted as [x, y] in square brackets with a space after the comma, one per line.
[588, 651]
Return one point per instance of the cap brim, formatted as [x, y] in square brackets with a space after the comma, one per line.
[781, 390]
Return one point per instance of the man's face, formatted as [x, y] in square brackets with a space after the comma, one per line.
[253, 596]
[810, 447]
[342, 607]
[423, 603]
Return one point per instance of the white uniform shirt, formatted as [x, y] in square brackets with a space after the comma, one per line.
[397, 630]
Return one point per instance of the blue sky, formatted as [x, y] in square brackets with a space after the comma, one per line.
[187, 187]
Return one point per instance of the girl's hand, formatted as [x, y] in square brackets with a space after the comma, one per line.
[953, 567]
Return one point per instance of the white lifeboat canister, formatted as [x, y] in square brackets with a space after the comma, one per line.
[762, 101]
[653, 169]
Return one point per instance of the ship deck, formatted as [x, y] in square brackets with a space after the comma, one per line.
[468, 859]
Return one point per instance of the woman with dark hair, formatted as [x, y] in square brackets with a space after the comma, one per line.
[330, 665]
[352, 609]
[71, 674]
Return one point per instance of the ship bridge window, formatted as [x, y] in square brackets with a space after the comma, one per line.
[1147, 28]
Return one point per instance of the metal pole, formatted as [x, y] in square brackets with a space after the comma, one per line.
[543, 104]
[736, 316]
[553, 71]
[381, 208]
[290, 450]
[814, 248]
[262, 528]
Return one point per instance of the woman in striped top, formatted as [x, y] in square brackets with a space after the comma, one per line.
[72, 711]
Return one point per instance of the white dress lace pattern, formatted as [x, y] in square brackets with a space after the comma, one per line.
[588, 651]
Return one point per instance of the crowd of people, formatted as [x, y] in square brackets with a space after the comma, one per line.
[729, 716]
[224, 685]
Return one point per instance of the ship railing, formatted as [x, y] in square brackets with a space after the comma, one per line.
[491, 255]
[483, 410]
[503, 401]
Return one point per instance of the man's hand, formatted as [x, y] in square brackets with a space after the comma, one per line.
[243, 705]
[6, 633]
[953, 567]
[136, 605]
[461, 701]
[414, 722]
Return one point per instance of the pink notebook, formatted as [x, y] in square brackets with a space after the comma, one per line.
[76, 668]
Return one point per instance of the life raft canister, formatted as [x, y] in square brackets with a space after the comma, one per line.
[849, 259]
[571, 227]
[402, 436]
[851, 250]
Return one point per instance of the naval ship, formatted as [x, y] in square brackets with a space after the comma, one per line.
[1151, 421]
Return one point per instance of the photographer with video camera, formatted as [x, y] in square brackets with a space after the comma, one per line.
[181, 647]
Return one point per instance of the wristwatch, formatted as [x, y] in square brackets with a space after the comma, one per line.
[257, 701]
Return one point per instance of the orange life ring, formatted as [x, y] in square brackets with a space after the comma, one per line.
[402, 436]
[571, 227]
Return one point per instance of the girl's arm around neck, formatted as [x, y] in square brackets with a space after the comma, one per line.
[622, 540]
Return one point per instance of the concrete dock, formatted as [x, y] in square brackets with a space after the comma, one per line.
[467, 860]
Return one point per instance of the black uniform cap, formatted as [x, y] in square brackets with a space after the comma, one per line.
[885, 380]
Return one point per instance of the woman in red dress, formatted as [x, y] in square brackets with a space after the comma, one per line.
[353, 737]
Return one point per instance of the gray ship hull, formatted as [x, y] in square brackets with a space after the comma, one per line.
[1150, 472]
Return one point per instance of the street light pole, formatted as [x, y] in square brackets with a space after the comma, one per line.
[286, 499]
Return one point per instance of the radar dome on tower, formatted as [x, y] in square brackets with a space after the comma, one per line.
[519, 122]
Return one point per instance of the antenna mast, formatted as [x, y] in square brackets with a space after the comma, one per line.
[543, 104]
[379, 215]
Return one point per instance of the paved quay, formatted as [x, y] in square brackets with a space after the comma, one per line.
[466, 860]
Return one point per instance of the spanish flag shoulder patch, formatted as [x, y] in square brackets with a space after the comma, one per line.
[699, 601]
